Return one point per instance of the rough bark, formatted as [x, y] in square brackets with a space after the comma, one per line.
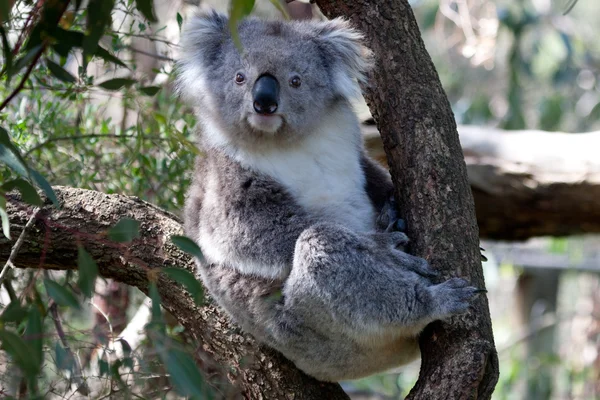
[419, 134]
[525, 183]
[85, 217]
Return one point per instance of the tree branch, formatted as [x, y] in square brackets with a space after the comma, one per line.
[85, 216]
[523, 189]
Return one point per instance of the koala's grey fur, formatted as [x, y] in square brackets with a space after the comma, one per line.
[287, 208]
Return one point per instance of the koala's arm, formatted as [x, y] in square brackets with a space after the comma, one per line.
[247, 220]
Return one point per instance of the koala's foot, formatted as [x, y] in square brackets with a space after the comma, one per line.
[453, 296]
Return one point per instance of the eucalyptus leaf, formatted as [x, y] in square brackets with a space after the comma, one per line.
[146, 8]
[61, 295]
[59, 72]
[20, 352]
[4, 217]
[28, 192]
[88, 272]
[117, 83]
[125, 230]
[188, 245]
[187, 279]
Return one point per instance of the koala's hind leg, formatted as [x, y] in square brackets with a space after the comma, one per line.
[360, 283]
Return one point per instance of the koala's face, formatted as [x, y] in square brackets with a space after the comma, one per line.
[287, 79]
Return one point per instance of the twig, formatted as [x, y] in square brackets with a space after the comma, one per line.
[13, 253]
[25, 77]
[33, 63]
[89, 136]
[153, 55]
[82, 386]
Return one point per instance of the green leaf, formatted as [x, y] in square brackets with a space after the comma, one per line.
[188, 245]
[183, 371]
[28, 192]
[145, 7]
[88, 272]
[20, 352]
[179, 21]
[103, 367]
[34, 335]
[62, 358]
[4, 217]
[45, 186]
[279, 6]
[26, 59]
[149, 90]
[125, 230]
[107, 56]
[98, 19]
[14, 312]
[117, 83]
[59, 72]
[61, 295]
[126, 347]
[5, 7]
[188, 280]
[238, 9]
[7, 51]
[10, 155]
[157, 322]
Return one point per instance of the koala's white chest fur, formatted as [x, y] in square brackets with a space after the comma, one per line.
[323, 172]
[324, 175]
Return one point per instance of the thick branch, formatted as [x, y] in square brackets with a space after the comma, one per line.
[526, 183]
[85, 216]
[426, 162]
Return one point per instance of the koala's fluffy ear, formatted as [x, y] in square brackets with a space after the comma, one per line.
[349, 57]
[201, 42]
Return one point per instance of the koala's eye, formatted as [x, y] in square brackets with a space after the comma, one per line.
[295, 82]
[240, 78]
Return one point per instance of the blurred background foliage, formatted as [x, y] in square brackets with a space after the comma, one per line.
[92, 105]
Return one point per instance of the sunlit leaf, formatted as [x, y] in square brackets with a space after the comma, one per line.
[125, 230]
[60, 294]
[187, 279]
[88, 272]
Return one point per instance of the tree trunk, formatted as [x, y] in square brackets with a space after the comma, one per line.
[419, 134]
[85, 216]
[523, 189]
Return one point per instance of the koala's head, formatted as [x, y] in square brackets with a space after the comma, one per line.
[288, 78]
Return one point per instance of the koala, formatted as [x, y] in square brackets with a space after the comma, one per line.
[293, 218]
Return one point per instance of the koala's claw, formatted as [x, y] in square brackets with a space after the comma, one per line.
[454, 296]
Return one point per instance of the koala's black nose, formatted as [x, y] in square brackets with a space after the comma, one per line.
[265, 94]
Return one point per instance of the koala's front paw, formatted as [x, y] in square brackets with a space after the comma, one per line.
[391, 240]
[388, 220]
[453, 296]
